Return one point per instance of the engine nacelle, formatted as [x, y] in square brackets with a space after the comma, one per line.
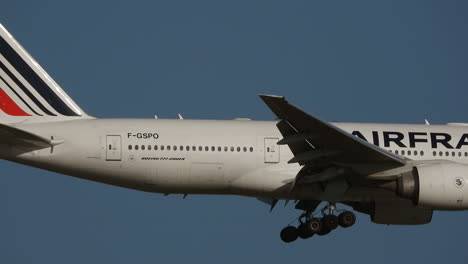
[439, 186]
[394, 212]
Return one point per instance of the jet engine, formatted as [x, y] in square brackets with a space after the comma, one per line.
[440, 186]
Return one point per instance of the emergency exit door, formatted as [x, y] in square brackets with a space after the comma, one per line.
[271, 150]
[113, 148]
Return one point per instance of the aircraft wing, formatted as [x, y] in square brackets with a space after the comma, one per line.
[18, 137]
[319, 144]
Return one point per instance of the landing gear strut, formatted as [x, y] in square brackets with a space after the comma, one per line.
[309, 226]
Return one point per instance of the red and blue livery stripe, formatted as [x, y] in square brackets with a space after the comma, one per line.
[8, 106]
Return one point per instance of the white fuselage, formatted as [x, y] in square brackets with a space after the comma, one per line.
[209, 157]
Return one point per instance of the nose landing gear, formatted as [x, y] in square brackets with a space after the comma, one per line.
[309, 226]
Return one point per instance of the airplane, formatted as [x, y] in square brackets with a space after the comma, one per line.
[398, 174]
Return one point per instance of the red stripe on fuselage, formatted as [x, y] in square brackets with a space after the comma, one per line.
[9, 106]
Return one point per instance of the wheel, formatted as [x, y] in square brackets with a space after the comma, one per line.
[346, 219]
[324, 231]
[289, 234]
[314, 225]
[330, 221]
[304, 232]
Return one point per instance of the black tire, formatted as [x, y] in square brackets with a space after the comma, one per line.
[330, 221]
[346, 219]
[314, 225]
[324, 231]
[304, 232]
[289, 234]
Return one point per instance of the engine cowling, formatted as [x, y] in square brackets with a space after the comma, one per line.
[440, 186]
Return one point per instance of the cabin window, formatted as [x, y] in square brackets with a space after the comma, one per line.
[245, 149]
[251, 149]
[422, 153]
[142, 147]
[155, 147]
[219, 148]
[213, 148]
[136, 147]
[434, 153]
[238, 149]
[207, 148]
[162, 147]
[149, 147]
[129, 147]
[225, 148]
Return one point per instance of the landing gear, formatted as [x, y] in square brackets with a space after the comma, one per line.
[346, 219]
[304, 232]
[289, 234]
[330, 221]
[324, 231]
[309, 226]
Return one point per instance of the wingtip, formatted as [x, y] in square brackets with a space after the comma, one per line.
[270, 96]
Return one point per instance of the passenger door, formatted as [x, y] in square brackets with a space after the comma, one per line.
[271, 150]
[113, 148]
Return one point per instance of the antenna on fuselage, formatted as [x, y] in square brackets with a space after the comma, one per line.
[155, 117]
[426, 122]
[180, 116]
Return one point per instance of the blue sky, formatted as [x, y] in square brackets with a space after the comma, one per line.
[353, 61]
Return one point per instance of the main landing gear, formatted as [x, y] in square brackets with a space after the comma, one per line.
[309, 226]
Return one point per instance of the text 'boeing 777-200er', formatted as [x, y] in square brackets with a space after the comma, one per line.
[397, 174]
